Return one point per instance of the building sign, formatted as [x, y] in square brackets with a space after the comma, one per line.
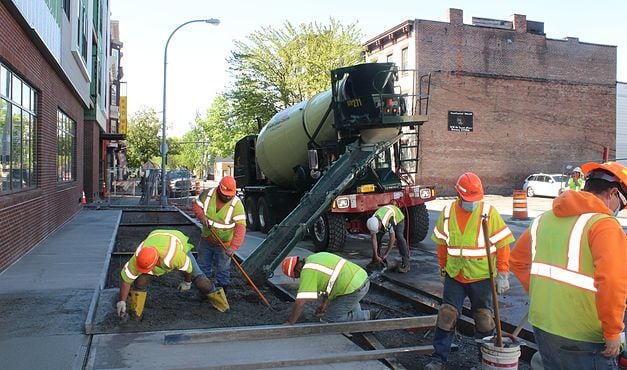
[122, 128]
[459, 121]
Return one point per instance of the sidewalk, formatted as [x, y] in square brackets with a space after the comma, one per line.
[46, 295]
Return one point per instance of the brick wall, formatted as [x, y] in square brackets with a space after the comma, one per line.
[538, 103]
[28, 217]
[520, 127]
[91, 159]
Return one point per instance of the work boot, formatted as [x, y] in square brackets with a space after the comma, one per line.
[403, 268]
[137, 300]
[435, 365]
[218, 300]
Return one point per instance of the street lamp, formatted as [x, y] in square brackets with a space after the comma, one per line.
[164, 144]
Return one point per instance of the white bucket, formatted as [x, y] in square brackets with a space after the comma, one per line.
[499, 358]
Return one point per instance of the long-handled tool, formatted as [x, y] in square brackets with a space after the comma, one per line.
[263, 298]
[495, 302]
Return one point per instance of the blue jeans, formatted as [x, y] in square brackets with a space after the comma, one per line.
[480, 295]
[347, 307]
[214, 262]
[559, 353]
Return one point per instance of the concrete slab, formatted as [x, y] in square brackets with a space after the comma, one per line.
[148, 351]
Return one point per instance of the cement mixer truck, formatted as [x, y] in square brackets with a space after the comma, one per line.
[296, 149]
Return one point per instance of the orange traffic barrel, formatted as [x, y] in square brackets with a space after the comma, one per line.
[520, 205]
[197, 187]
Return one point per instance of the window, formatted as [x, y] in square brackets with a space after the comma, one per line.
[66, 148]
[17, 133]
[389, 58]
[65, 4]
[405, 58]
[82, 30]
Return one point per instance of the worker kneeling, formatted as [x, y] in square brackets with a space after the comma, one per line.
[161, 252]
[341, 283]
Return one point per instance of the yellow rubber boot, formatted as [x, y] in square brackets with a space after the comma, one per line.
[218, 300]
[137, 301]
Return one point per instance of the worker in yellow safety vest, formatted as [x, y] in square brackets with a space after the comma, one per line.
[463, 261]
[571, 261]
[223, 217]
[576, 181]
[340, 283]
[388, 219]
[161, 252]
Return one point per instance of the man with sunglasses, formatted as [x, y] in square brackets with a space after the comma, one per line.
[224, 225]
[571, 261]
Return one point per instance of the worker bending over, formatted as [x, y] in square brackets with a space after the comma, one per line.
[571, 261]
[464, 262]
[222, 215]
[161, 252]
[388, 219]
[341, 283]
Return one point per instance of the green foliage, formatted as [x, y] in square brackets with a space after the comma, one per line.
[272, 70]
[143, 137]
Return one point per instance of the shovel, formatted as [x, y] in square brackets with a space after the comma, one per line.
[248, 279]
[495, 302]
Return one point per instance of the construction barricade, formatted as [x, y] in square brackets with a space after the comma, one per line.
[520, 206]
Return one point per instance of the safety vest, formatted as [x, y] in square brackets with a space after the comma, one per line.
[466, 251]
[327, 274]
[222, 221]
[562, 277]
[388, 213]
[172, 246]
[576, 185]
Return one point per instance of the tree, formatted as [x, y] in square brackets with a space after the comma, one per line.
[143, 137]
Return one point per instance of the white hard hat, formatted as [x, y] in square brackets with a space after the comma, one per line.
[373, 225]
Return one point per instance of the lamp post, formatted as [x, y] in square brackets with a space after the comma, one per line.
[164, 144]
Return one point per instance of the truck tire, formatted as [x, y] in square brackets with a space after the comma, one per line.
[328, 233]
[418, 223]
[252, 216]
[266, 220]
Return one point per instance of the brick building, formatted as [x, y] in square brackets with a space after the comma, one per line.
[506, 101]
[54, 106]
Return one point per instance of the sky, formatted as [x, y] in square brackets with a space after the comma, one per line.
[196, 57]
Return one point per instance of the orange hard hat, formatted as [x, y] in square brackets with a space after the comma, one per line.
[289, 265]
[595, 170]
[469, 187]
[227, 186]
[146, 259]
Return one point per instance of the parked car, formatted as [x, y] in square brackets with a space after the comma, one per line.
[550, 185]
[180, 183]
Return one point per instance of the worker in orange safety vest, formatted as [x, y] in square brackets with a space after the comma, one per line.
[161, 252]
[223, 217]
[571, 261]
[464, 262]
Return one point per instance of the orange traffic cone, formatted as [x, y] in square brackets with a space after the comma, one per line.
[83, 200]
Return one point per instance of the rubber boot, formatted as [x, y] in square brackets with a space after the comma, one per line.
[218, 300]
[137, 301]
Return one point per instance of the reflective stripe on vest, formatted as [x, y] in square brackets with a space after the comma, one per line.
[229, 221]
[570, 275]
[389, 213]
[332, 273]
[479, 251]
[174, 241]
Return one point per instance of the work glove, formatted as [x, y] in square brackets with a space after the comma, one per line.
[442, 275]
[502, 282]
[121, 308]
[184, 286]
